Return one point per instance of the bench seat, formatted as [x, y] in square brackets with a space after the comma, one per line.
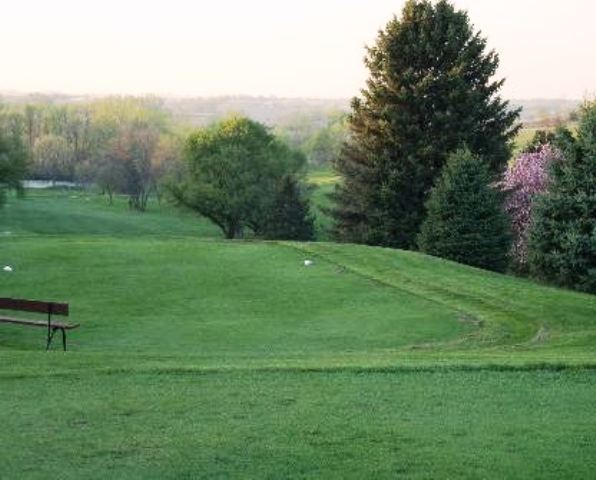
[38, 323]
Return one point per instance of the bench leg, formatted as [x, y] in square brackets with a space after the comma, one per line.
[50, 337]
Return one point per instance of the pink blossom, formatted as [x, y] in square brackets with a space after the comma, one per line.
[526, 177]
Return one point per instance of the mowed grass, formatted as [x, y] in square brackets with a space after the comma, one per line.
[323, 183]
[289, 424]
[188, 296]
[68, 212]
[203, 358]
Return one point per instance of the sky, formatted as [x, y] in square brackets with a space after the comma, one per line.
[283, 48]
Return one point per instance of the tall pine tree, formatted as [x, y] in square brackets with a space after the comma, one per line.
[430, 91]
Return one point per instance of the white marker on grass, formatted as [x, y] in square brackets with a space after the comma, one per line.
[308, 263]
[7, 268]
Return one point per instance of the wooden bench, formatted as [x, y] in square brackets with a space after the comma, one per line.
[49, 308]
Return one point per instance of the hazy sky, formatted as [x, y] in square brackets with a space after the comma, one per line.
[306, 48]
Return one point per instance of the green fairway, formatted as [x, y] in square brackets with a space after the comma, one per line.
[210, 298]
[203, 358]
[323, 183]
[59, 212]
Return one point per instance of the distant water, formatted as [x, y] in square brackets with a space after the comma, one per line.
[49, 184]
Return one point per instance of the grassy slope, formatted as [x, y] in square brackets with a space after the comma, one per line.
[214, 299]
[371, 363]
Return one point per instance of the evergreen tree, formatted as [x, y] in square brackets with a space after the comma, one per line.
[561, 138]
[430, 91]
[466, 221]
[562, 245]
[290, 217]
[538, 141]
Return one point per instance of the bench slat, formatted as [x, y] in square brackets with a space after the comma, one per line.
[38, 323]
[34, 306]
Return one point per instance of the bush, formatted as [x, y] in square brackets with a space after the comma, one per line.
[290, 217]
[466, 222]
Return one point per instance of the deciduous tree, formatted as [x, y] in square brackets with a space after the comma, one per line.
[233, 170]
[525, 178]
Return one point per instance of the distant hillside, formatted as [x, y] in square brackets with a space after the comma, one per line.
[269, 110]
[543, 111]
[276, 111]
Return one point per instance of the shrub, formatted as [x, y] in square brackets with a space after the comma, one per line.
[466, 221]
[290, 217]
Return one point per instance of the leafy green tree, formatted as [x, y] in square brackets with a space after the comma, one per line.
[562, 244]
[289, 217]
[430, 91]
[232, 174]
[13, 153]
[466, 222]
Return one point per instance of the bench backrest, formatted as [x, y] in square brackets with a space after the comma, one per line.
[33, 306]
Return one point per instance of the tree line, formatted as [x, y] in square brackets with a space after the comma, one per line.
[426, 165]
[236, 172]
[122, 145]
[126, 145]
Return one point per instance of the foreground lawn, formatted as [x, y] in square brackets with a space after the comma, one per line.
[201, 358]
[290, 424]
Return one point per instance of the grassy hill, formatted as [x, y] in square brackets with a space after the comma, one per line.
[203, 358]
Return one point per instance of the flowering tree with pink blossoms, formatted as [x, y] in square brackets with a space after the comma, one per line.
[525, 178]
